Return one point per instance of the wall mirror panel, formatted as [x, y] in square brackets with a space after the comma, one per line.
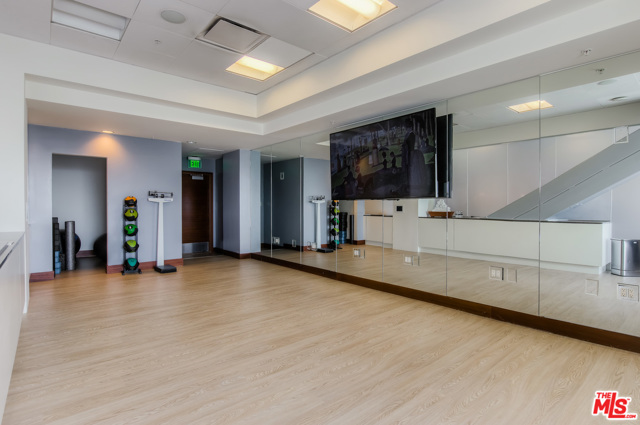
[316, 202]
[590, 166]
[265, 200]
[414, 244]
[285, 194]
[492, 243]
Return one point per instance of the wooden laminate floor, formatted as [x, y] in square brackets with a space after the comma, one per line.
[226, 341]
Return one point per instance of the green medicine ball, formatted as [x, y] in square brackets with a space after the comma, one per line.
[131, 229]
[130, 264]
[131, 214]
[131, 246]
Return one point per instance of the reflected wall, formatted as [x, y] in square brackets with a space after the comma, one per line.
[539, 198]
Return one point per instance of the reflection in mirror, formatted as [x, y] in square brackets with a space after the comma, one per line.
[590, 195]
[317, 218]
[265, 200]
[286, 220]
[492, 243]
[414, 246]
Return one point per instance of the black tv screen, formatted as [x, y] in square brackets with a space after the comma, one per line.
[403, 157]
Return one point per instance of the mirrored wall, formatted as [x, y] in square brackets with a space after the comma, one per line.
[544, 206]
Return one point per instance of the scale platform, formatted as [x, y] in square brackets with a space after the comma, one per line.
[165, 269]
[324, 250]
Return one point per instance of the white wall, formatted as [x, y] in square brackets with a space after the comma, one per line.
[12, 300]
[134, 167]
[79, 194]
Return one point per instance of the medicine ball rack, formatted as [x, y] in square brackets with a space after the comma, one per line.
[130, 231]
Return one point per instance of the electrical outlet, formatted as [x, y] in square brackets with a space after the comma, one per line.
[276, 240]
[411, 260]
[511, 275]
[293, 243]
[496, 273]
[627, 292]
[358, 253]
[591, 287]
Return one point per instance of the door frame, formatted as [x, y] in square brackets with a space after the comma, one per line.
[208, 176]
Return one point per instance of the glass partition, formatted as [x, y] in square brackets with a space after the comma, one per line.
[286, 192]
[492, 243]
[590, 195]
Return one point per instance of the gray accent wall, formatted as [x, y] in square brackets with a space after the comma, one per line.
[285, 200]
[134, 166]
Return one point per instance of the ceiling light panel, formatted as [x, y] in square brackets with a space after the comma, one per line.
[231, 36]
[124, 8]
[279, 52]
[87, 18]
[531, 106]
[254, 68]
[351, 14]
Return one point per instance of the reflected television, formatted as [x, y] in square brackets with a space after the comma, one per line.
[403, 157]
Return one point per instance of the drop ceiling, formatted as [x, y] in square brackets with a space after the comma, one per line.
[421, 52]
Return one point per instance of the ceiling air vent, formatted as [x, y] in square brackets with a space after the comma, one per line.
[231, 36]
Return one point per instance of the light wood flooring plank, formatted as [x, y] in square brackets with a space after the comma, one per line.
[227, 341]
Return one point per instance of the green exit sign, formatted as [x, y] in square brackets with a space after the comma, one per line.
[195, 162]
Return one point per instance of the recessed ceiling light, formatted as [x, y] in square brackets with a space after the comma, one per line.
[607, 82]
[211, 149]
[531, 106]
[90, 19]
[107, 131]
[351, 14]
[253, 68]
[618, 98]
[173, 16]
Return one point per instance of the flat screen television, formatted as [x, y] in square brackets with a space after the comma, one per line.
[404, 157]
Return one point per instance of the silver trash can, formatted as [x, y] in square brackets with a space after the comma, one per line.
[625, 257]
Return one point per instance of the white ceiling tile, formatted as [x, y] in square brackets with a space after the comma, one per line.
[144, 43]
[197, 19]
[279, 52]
[82, 41]
[212, 6]
[26, 19]
[124, 8]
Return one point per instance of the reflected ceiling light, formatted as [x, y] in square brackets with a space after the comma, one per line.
[531, 106]
[107, 131]
[325, 143]
[253, 68]
[90, 19]
[351, 14]
[607, 82]
[173, 16]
